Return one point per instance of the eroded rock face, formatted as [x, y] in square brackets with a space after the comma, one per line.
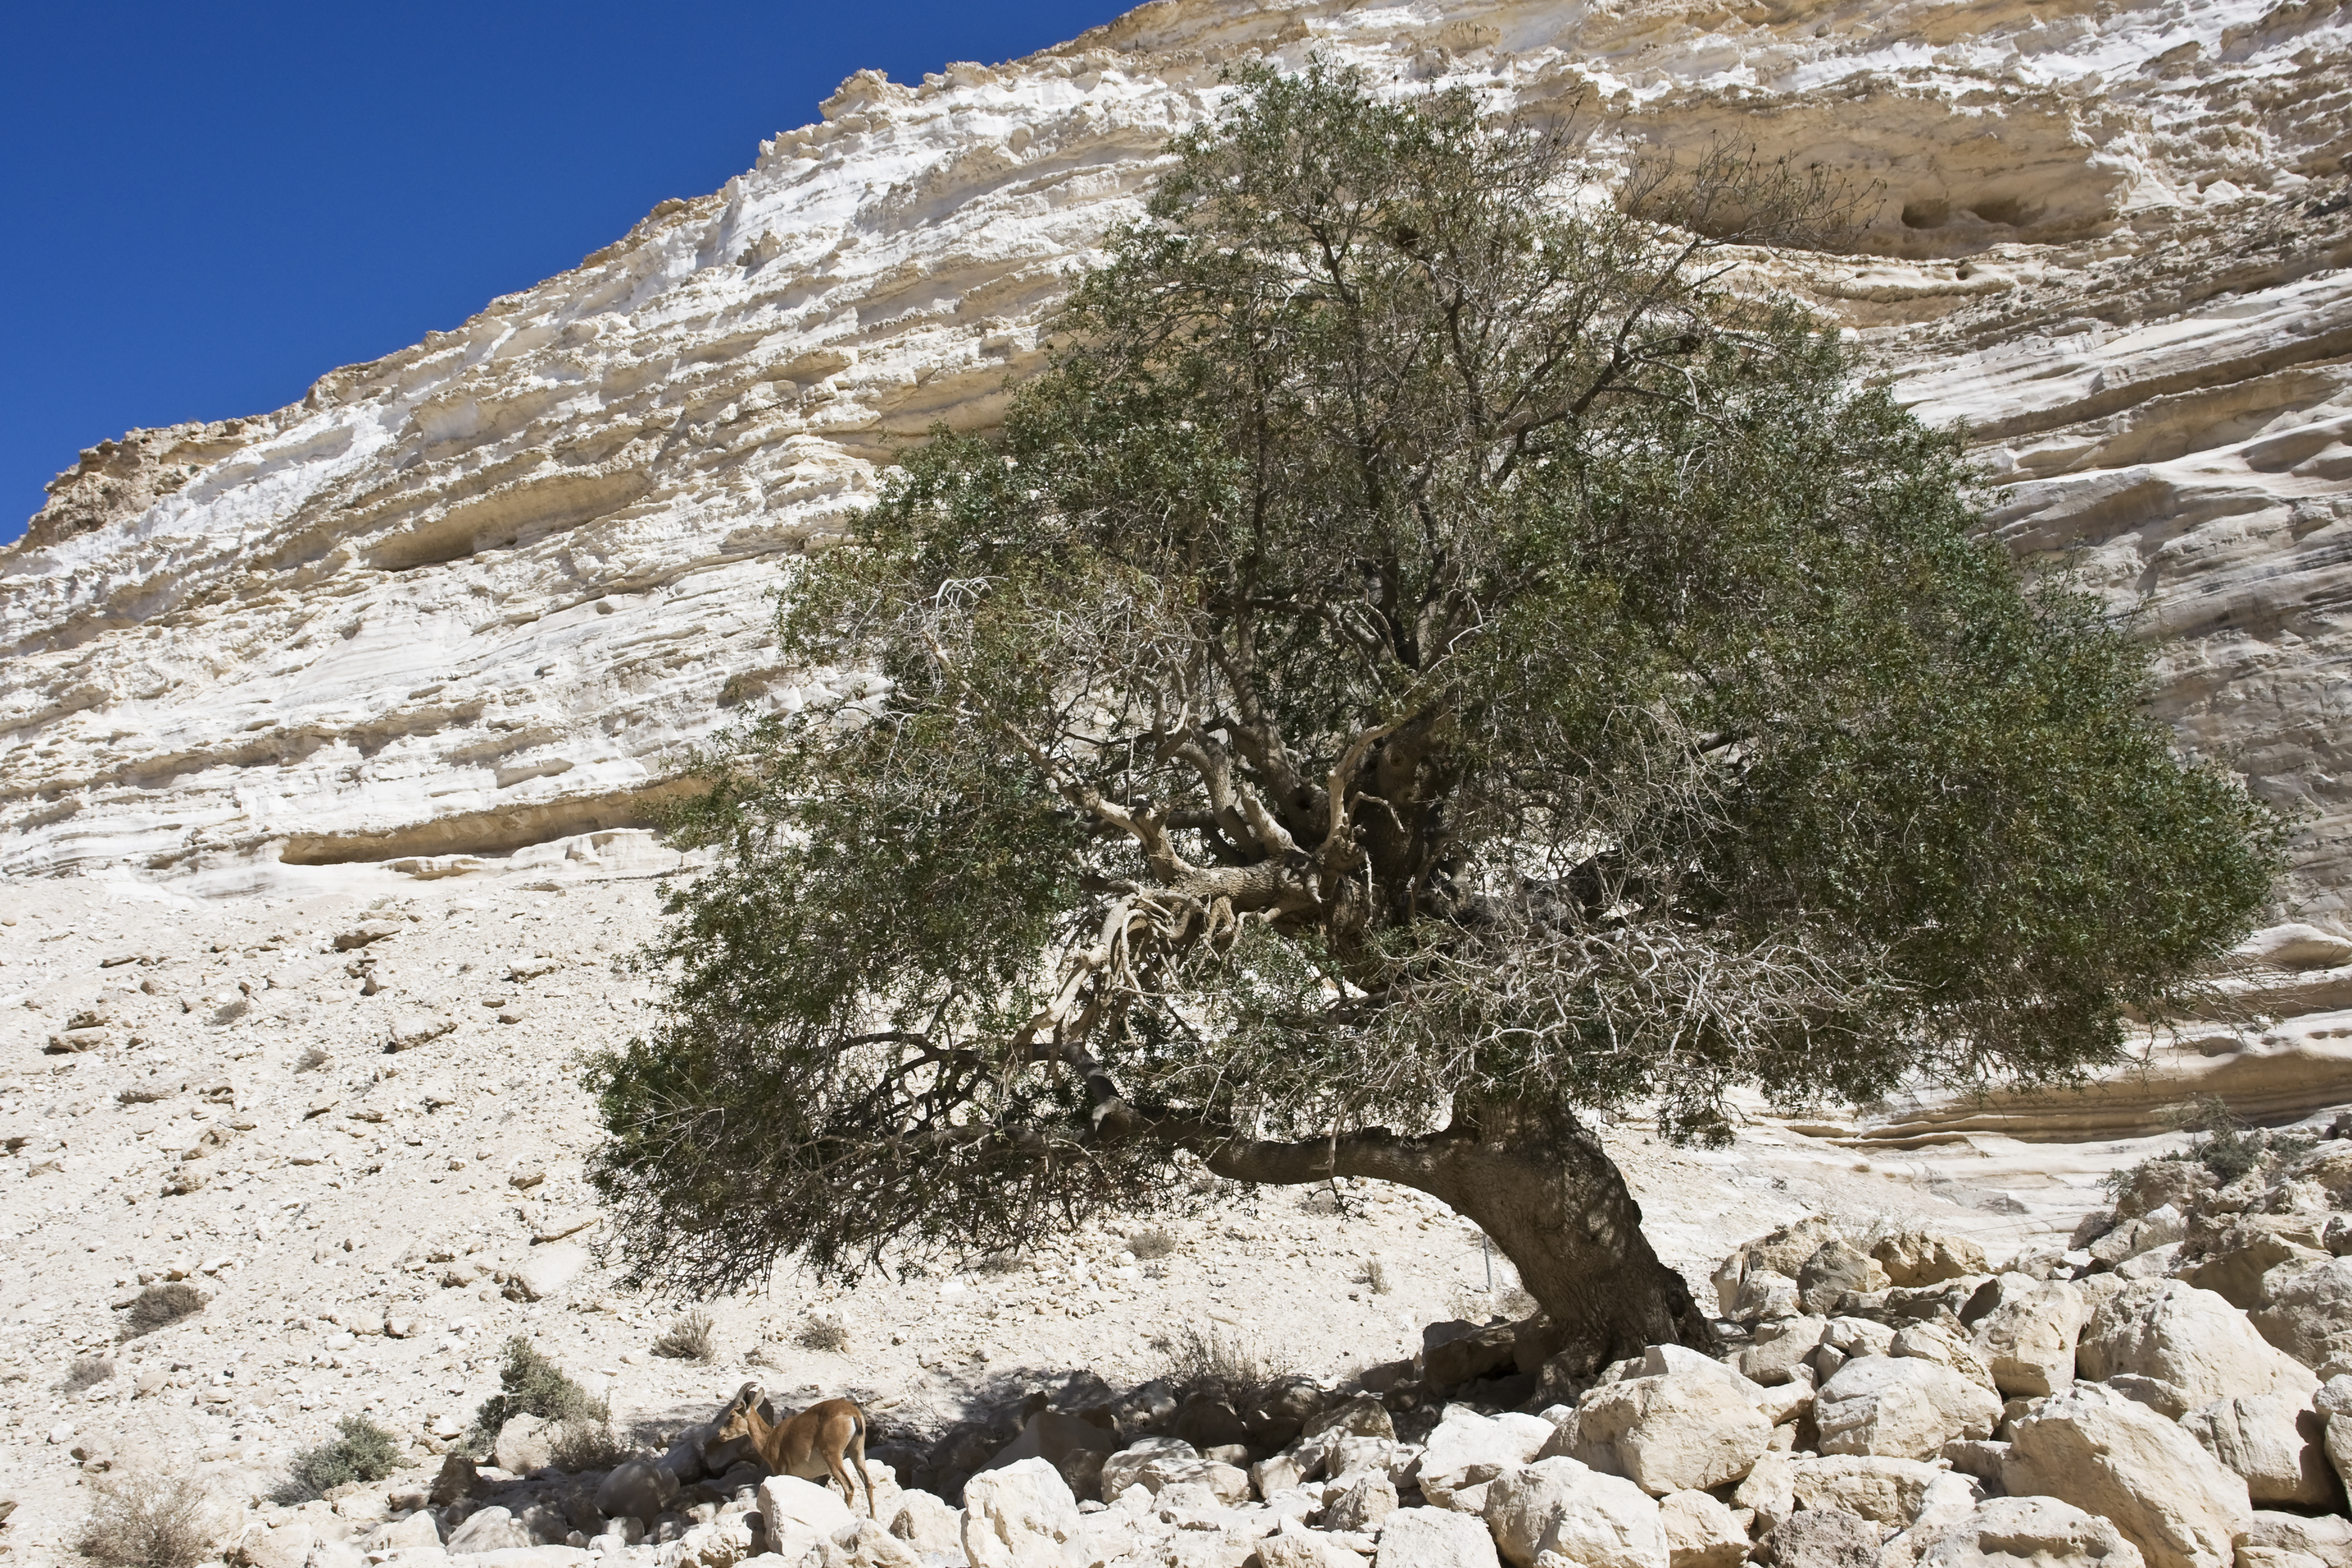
[468, 598]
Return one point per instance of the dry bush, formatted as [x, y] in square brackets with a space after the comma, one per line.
[584, 1444]
[1197, 1360]
[1158, 1242]
[313, 1058]
[692, 1338]
[823, 1335]
[142, 1520]
[1378, 1275]
[159, 1307]
[87, 1373]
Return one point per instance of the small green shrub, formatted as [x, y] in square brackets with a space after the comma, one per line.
[2222, 1142]
[159, 1307]
[139, 1520]
[530, 1385]
[361, 1451]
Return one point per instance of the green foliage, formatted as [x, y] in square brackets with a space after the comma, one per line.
[532, 1384]
[2227, 1145]
[1424, 653]
[361, 1451]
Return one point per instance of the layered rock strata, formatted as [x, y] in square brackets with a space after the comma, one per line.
[488, 592]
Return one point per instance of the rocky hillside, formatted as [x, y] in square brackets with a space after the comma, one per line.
[480, 594]
[406, 664]
[355, 1131]
[2158, 1387]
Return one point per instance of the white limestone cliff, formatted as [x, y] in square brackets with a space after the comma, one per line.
[488, 591]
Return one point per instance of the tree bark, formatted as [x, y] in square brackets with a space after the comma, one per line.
[1546, 1193]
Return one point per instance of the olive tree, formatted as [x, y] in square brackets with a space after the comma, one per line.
[1429, 664]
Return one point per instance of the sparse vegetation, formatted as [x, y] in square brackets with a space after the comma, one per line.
[312, 1058]
[359, 1451]
[159, 1307]
[532, 1384]
[587, 1445]
[1200, 1359]
[1378, 1276]
[1158, 1242]
[823, 1335]
[142, 1520]
[2222, 1142]
[87, 1373]
[692, 1338]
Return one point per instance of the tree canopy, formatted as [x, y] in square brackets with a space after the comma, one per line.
[1430, 660]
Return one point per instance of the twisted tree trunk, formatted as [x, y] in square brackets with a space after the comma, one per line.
[1548, 1195]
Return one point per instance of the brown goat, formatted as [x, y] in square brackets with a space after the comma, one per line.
[811, 1445]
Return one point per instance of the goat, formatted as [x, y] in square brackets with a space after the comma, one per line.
[811, 1445]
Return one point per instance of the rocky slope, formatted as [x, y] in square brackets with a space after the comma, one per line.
[481, 592]
[405, 663]
[356, 1130]
[206, 1093]
[486, 593]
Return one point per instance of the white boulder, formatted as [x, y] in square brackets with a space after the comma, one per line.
[787, 1500]
[1466, 1449]
[2276, 1441]
[549, 1269]
[1021, 1516]
[2030, 1532]
[1293, 1546]
[1900, 1407]
[1680, 1432]
[2027, 1340]
[1884, 1490]
[1560, 1506]
[2116, 1458]
[1431, 1538]
[2190, 1338]
[1701, 1532]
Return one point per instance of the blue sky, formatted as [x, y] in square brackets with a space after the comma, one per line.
[207, 206]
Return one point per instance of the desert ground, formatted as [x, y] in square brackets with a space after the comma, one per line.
[355, 1122]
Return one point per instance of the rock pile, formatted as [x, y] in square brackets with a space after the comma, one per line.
[1884, 1402]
